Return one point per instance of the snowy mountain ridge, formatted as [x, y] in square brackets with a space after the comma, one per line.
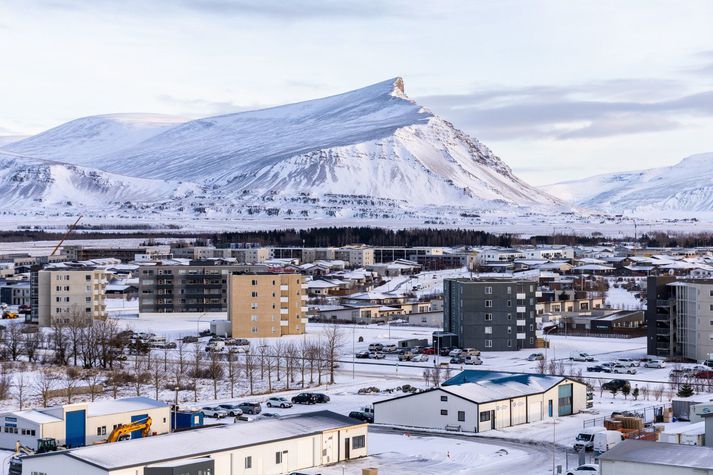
[685, 186]
[368, 153]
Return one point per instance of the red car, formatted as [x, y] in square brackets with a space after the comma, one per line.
[428, 351]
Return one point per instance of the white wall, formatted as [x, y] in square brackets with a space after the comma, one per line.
[160, 422]
[424, 410]
[630, 468]
[58, 464]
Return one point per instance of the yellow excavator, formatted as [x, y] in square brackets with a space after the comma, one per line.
[123, 431]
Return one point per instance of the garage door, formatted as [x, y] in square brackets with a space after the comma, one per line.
[518, 411]
[75, 428]
[535, 411]
[502, 415]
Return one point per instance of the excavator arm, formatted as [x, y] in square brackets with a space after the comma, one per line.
[124, 429]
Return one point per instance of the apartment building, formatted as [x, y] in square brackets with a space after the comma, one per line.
[15, 292]
[267, 305]
[201, 286]
[356, 256]
[82, 253]
[679, 317]
[68, 292]
[491, 315]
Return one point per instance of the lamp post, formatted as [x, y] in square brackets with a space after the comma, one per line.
[175, 408]
[198, 323]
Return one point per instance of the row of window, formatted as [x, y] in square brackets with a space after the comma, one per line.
[358, 442]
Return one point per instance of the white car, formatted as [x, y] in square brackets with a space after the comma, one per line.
[621, 369]
[376, 355]
[655, 364]
[214, 411]
[586, 469]
[419, 358]
[376, 347]
[277, 401]
[627, 362]
[390, 348]
[455, 352]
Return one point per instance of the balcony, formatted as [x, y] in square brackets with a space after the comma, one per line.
[284, 323]
[284, 299]
[521, 336]
[521, 309]
[520, 296]
[304, 309]
[284, 288]
[304, 320]
[521, 323]
[284, 311]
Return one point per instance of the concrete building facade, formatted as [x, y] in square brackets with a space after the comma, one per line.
[67, 293]
[267, 305]
[490, 315]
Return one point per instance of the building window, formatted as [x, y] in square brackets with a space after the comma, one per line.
[254, 282]
[101, 430]
[509, 290]
[248, 462]
[509, 343]
[488, 291]
[488, 303]
[488, 343]
[253, 318]
[488, 317]
[461, 416]
[253, 306]
[254, 294]
[253, 330]
[488, 330]
[444, 398]
[532, 340]
[509, 303]
[509, 330]
[278, 457]
[485, 416]
[509, 316]
[444, 412]
[358, 442]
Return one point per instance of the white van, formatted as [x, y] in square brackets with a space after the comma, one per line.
[585, 438]
[605, 440]
[390, 348]
[475, 360]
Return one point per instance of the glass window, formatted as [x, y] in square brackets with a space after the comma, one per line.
[248, 462]
[278, 457]
[461, 416]
[488, 317]
[488, 303]
[358, 442]
[488, 343]
[444, 412]
[484, 416]
[444, 398]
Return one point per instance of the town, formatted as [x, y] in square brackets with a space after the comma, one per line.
[581, 357]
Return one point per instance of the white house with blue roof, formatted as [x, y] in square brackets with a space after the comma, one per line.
[478, 401]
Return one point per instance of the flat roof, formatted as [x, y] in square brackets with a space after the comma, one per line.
[117, 406]
[660, 453]
[196, 443]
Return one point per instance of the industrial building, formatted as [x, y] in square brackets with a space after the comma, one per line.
[68, 291]
[267, 305]
[479, 401]
[634, 457]
[270, 446]
[80, 424]
[492, 314]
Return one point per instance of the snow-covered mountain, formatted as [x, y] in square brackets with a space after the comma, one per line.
[686, 186]
[370, 153]
[84, 141]
[30, 182]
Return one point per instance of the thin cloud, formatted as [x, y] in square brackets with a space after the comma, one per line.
[595, 110]
[203, 107]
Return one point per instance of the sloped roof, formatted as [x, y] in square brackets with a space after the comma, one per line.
[483, 386]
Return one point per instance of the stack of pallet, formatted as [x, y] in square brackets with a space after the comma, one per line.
[631, 426]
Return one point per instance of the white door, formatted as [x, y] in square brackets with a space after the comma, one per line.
[518, 409]
[535, 411]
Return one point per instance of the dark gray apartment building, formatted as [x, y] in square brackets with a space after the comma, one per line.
[201, 286]
[492, 314]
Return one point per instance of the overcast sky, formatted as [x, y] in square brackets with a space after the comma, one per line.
[558, 89]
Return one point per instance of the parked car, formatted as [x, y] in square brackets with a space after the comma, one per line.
[445, 351]
[605, 440]
[406, 356]
[238, 349]
[420, 358]
[190, 339]
[321, 398]
[655, 364]
[609, 365]
[708, 363]
[361, 416]
[473, 360]
[250, 407]
[362, 355]
[390, 348]
[615, 383]
[457, 360]
[304, 398]
[627, 362]
[429, 350]
[233, 410]
[470, 352]
[622, 369]
[455, 352]
[377, 355]
[278, 401]
[376, 347]
[536, 357]
[586, 469]
[214, 411]
[598, 369]
[581, 357]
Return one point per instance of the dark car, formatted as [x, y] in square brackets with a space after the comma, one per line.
[250, 407]
[304, 398]
[598, 369]
[190, 339]
[619, 384]
[457, 360]
[320, 398]
[362, 355]
[444, 351]
[361, 416]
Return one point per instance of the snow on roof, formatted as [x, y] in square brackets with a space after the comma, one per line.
[167, 447]
[483, 386]
[660, 453]
[180, 462]
[129, 404]
[593, 267]
[34, 416]
[321, 284]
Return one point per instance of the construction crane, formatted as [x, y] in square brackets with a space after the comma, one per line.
[69, 231]
[122, 431]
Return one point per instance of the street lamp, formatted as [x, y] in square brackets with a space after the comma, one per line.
[198, 323]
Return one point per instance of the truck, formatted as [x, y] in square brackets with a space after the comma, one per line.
[585, 438]
[578, 356]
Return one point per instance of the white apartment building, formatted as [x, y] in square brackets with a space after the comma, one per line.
[70, 292]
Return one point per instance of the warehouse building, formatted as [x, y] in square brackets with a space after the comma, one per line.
[633, 457]
[76, 425]
[479, 401]
[269, 446]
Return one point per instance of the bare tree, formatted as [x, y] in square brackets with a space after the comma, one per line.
[94, 379]
[333, 344]
[181, 357]
[290, 360]
[233, 372]
[645, 392]
[278, 351]
[157, 377]
[45, 382]
[215, 370]
[20, 387]
[31, 342]
[542, 366]
[60, 341]
[13, 341]
[196, 370]
[658, 392]
[5, 382]
[250, 370]
[262, 353]
[71, 381]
